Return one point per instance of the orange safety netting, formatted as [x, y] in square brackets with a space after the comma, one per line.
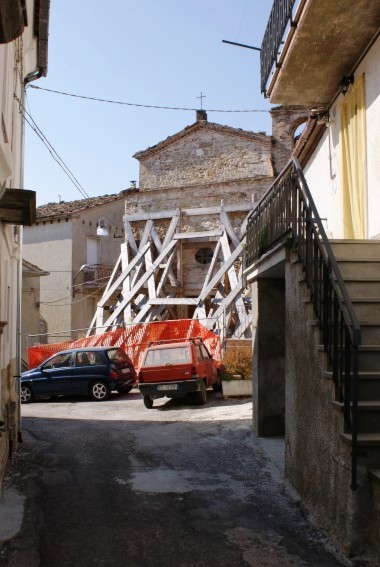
[134, 340]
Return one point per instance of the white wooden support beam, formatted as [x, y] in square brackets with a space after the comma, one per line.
[140, 283]
[205, 211]
[151, 282]
[127, 281]
[158, 244]
[165, 274]
[223, 269]
[200, 312]
[140, 317]
[171, 230]
[129, 237]
[207, 234]
[123, 275]
[231, 272]
[144, 241]
[174, 301]
[226, 255]
[229, 228]
[151, 216]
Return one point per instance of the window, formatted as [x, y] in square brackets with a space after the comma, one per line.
[83, 359]
[205, 352]
[204, 256]
[165, 356]
[198, 353]
[58, 361]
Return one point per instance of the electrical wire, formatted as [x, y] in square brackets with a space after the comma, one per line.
[57, 158]
[72, 287]
[136, 104]
[73, 302]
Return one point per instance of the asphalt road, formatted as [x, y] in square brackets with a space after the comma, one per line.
[115, 484]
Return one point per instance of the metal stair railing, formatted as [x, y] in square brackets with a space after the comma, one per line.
[287, 212]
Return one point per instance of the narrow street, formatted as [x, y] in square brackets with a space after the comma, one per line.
[115, 484]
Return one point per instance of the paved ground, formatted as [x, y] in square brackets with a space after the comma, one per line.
[114, 484]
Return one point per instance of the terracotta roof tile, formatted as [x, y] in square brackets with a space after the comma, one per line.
[69, 208]
[260, 137]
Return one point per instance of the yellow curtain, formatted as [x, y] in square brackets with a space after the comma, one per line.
[352, 143]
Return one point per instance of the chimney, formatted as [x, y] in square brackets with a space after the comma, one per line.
[201, 116]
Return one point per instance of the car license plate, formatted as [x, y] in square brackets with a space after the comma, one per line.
[165, 387]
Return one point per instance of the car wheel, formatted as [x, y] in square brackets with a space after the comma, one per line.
[217, 387]
[99, 391]
[148, 402]
[125, 390]
[26, 394]
[201, 396]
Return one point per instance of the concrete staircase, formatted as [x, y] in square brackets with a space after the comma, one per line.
[359, 262]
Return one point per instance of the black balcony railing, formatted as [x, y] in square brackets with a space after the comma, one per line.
[280, 16]
[287, 211]
[97, 274]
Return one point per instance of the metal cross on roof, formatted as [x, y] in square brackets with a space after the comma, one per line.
[202, 96]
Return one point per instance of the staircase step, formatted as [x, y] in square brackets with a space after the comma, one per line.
[364, 439]
[367, 267]
[374, 474]
[363, 286]
[368, 385]
[369, 357]
[368, 415]
[370, 333]
[367, 310]
[363, 248]
[369, 405]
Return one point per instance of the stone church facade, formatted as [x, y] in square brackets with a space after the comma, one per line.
[213, 168]
[185, 224]
[206, 163]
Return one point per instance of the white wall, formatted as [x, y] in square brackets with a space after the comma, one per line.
[371, 68]
[17, 59]
[49, 246]
[60, 248]
[321, 172]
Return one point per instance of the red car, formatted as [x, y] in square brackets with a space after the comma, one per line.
[175, 369]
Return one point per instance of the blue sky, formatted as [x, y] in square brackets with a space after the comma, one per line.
[152, 52]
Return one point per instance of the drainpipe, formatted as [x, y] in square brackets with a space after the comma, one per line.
[18, 339]
[41, 31]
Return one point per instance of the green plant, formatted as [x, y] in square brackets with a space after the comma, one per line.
[237, 361]
[263, 240]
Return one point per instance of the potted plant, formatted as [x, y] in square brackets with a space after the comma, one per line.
[236, 372]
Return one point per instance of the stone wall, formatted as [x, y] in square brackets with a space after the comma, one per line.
[285, 121]
[206, 155]
[317, 462]
[10, 409]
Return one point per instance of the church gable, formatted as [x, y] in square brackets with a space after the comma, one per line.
[203, 154]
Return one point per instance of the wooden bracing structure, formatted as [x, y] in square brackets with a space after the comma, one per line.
[147, 276]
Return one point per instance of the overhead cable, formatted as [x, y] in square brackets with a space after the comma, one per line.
[31, 122]
[136, 104]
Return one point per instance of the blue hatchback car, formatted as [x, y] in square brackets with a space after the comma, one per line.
[92, 371]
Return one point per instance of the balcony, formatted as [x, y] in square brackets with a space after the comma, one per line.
[309, 45]
[97, 275]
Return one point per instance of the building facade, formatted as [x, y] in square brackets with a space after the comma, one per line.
[314, 266]
[64, 241]
[196, 189]
[23, 58]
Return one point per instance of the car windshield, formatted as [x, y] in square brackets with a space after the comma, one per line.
[159, 357]
[118, 357]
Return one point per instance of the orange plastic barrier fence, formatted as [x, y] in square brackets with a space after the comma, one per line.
[134, 339]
